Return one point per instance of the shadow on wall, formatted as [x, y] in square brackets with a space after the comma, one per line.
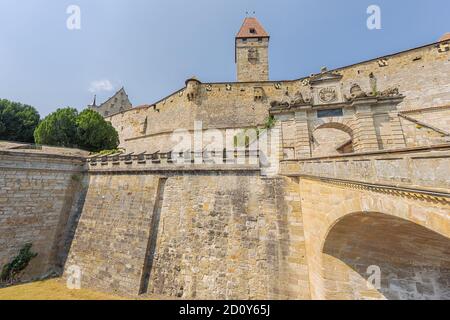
[75, 198]
[414, 261]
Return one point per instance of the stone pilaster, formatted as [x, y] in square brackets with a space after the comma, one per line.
[398, 138]
[302, 141]
[365, 136]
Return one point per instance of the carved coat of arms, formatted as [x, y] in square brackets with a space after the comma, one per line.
[327, 95]
[252, 54]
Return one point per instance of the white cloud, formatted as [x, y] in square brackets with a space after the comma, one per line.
[101, 85]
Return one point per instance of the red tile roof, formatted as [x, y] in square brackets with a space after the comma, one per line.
[251, 28]
[445, 37]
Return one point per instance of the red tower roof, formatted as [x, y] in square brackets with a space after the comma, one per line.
[251, 28]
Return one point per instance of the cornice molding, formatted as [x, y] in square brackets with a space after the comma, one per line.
[404, 192]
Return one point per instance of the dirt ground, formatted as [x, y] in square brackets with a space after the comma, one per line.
[55, 289]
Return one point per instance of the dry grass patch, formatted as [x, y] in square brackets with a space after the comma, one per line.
[54, 289]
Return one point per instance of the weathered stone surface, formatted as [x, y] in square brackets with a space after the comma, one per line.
[41, 196]
[424, 83]
[363, 185]
[220, 236]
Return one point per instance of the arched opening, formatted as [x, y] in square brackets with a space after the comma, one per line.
[331, 139]
[413, 261]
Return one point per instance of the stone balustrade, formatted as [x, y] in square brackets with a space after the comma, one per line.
[426, 168]
[207, 160]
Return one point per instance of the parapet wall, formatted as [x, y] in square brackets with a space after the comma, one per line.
[41, 196]
[422, 168]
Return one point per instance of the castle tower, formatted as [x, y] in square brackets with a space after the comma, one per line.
[252, 52]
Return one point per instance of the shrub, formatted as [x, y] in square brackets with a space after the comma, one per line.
[10, 271]
[270, 122]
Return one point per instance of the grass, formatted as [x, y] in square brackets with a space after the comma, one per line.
[53, 289]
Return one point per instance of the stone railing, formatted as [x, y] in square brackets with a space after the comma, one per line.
[188, 160]
[426, 168]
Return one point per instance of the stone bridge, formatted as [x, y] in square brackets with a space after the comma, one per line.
[386, 212]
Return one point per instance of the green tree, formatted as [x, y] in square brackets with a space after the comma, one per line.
[94, 133]
[58, 128]
[17, 121]
[68, 128]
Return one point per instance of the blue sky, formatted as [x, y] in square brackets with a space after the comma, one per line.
[151, 47]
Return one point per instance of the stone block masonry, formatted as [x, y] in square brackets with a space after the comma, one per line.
[40, 199]
[233, 236]
[114, 230]
[220, 235]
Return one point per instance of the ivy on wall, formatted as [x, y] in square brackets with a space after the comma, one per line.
[11, 271]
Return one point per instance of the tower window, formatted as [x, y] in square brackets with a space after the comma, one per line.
[259, 39]
[252, 30]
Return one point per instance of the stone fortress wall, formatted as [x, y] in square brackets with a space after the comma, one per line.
[41, 198]
[235, 231]
[210, 234]
[229, 233]
[422, 76]
[218, 232]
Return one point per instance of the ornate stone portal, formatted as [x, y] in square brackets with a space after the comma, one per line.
[353, 113]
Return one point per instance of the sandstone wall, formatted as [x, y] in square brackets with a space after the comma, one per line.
[420, 126]
[210, 235]
[424, 168]
[150, 128]
[41, 196]
[230, 237]
[422, 76]
[256, 69]
[355, 229]
[385, 211]
[113, 232]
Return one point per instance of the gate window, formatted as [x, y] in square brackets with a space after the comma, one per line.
[330, 113]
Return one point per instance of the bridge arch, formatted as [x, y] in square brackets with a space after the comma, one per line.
[329, 209]
[382, 256]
